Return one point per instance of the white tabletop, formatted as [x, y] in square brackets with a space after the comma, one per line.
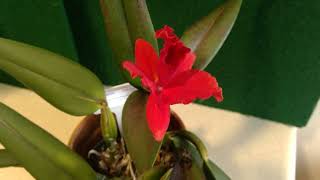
[245, 147]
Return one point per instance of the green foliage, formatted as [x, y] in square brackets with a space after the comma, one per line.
[63, 83]
[38, 152]
[194, 139]
[115, 21]
[207, 36]
[6, 159]
[213, 171]
[195, 171]
[139, 22]
[167, 175]
[202, 165]
[153, 173]
[130, 20]
[140, 143]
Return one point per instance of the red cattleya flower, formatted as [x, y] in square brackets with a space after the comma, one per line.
[169, 78]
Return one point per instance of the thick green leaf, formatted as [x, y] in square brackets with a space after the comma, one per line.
[131, 20]
[183, 143]
[140, 143]
[196, 171]
[167, 175]
[115, 21]
[213, 171]
[63, 83]
[139, 22]
[122, 42]
[153, 174]
[194, 139]
[6, 159]
[190, 141]
[206, 36]
[39, 153]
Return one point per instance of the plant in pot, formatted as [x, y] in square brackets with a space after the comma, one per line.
[146, 140]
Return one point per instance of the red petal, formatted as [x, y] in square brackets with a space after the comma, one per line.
[173, 51]
[167, 34]
[136, 72]
[132, 69]
[158, 116]
[146, 59]
[187, 63]
[174, 56]
[190, 85]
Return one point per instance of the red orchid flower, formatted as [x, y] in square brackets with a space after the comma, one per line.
[169, 78]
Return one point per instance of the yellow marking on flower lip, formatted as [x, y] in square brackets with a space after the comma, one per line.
[159, 89]
[156, 77]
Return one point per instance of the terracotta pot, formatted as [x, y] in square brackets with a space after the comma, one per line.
[88, 133]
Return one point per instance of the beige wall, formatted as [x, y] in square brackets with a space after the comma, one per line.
[308, 158]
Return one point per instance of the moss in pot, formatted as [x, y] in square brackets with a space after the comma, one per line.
[153, 143]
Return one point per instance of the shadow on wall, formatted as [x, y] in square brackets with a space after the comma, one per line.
[308, 156]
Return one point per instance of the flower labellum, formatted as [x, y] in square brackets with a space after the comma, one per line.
[169, 78]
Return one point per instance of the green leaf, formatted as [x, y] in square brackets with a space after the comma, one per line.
[167, 175]
[63, 83]
[199, 151]
[196, 171]
[42, 155]
[213, 171]
[140, 143]
[183, 143]
[131, 20]
[206, 36]
[192, 138]
[139, 22]
[6, 159]
[153, 173]
[115, 21]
